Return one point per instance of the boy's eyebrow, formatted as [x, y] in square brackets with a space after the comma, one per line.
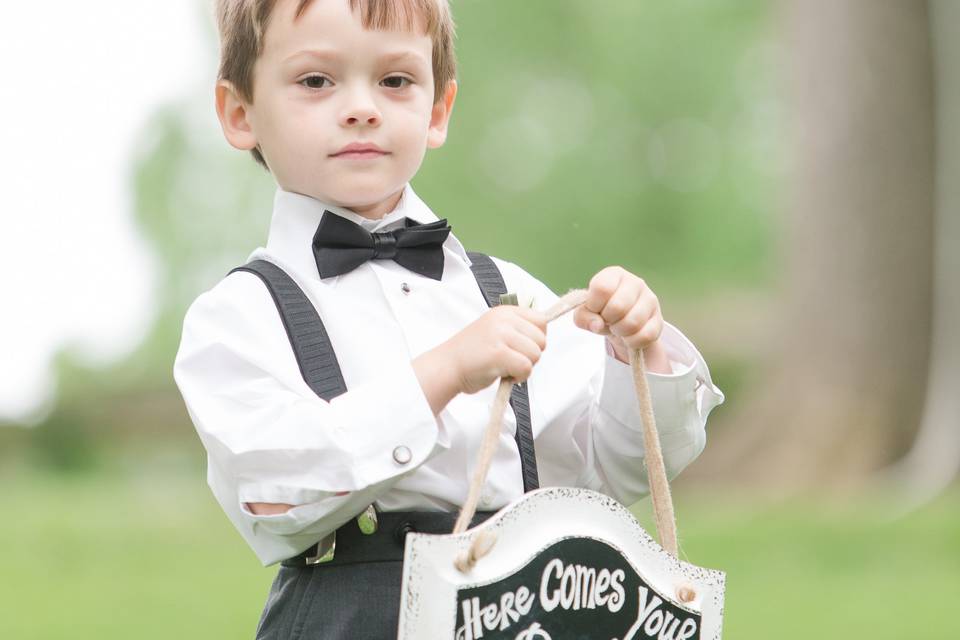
[398, 56]
[402, 56]
[314, 53]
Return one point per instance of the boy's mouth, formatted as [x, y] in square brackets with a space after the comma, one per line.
[360, 150]
[360, 155]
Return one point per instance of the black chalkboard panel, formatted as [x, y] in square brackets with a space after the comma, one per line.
[575, 589]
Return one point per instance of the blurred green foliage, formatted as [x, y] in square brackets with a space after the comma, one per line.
[590, 134]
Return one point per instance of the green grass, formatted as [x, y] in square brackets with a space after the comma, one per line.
[115, 557]
[799, 570]
[120, 556]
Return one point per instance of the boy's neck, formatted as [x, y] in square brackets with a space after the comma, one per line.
[377, 210]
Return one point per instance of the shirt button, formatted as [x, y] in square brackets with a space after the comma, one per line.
[404, 287]
[402, 455]
[486, 498]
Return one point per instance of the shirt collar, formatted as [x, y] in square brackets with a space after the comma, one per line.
[296, 216]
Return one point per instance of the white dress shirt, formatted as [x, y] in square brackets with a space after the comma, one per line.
[269, 438]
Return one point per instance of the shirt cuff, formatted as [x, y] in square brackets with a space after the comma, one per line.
[687, 389]
[295, 519]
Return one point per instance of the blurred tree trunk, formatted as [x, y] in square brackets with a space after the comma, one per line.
[845, 387]
[934, 460]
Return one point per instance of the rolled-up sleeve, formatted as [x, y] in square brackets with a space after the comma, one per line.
[269, 438]
[682, 401]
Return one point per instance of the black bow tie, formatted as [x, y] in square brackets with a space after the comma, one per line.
[340, 245]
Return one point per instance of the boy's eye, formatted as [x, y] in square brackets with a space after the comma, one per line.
[396, 82]
[314, 82]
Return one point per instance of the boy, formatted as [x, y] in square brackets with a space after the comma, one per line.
[339, 100]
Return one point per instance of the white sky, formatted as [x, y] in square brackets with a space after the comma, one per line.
[78, 81]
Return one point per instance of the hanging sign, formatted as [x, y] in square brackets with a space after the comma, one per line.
[560, 563]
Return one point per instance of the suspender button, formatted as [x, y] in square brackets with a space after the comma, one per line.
[402, 531]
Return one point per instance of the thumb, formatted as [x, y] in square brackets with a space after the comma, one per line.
[590, 321]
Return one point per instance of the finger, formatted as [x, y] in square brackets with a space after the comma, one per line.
[635, 318]
[525, 346]
[523, 355]
[590, 321]
[528, 322]
[532, 331]
[602, 286]
[648, 333]
[538, 318]
[517, 316]
[519, 368]
[623, 300]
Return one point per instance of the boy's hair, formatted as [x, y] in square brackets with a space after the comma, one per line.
[242, 24]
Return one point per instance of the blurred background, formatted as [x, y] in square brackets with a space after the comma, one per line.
[783, 174]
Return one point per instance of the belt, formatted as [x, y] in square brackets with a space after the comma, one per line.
[351, 545]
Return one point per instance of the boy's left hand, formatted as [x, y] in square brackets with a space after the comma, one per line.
[622, 307]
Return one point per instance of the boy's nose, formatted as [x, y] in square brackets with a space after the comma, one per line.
[371, 118]
[360, 110]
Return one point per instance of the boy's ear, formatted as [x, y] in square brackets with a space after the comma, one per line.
[233, 114]
[440, 116]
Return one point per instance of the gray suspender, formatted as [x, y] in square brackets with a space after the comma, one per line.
[318, 362]
[491, 284]
[308, 337]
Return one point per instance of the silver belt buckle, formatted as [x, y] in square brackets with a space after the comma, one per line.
[325, 550]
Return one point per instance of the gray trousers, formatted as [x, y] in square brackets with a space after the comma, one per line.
[357, 601]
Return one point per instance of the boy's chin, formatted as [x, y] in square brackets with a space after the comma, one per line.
[361, 196]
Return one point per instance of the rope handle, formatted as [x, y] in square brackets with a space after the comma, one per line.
[653, 456]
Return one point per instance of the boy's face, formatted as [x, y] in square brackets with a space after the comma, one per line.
[324, 82]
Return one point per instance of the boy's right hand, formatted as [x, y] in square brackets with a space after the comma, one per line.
[505, 342]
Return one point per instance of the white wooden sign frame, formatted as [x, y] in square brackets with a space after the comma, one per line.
[535, 524]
